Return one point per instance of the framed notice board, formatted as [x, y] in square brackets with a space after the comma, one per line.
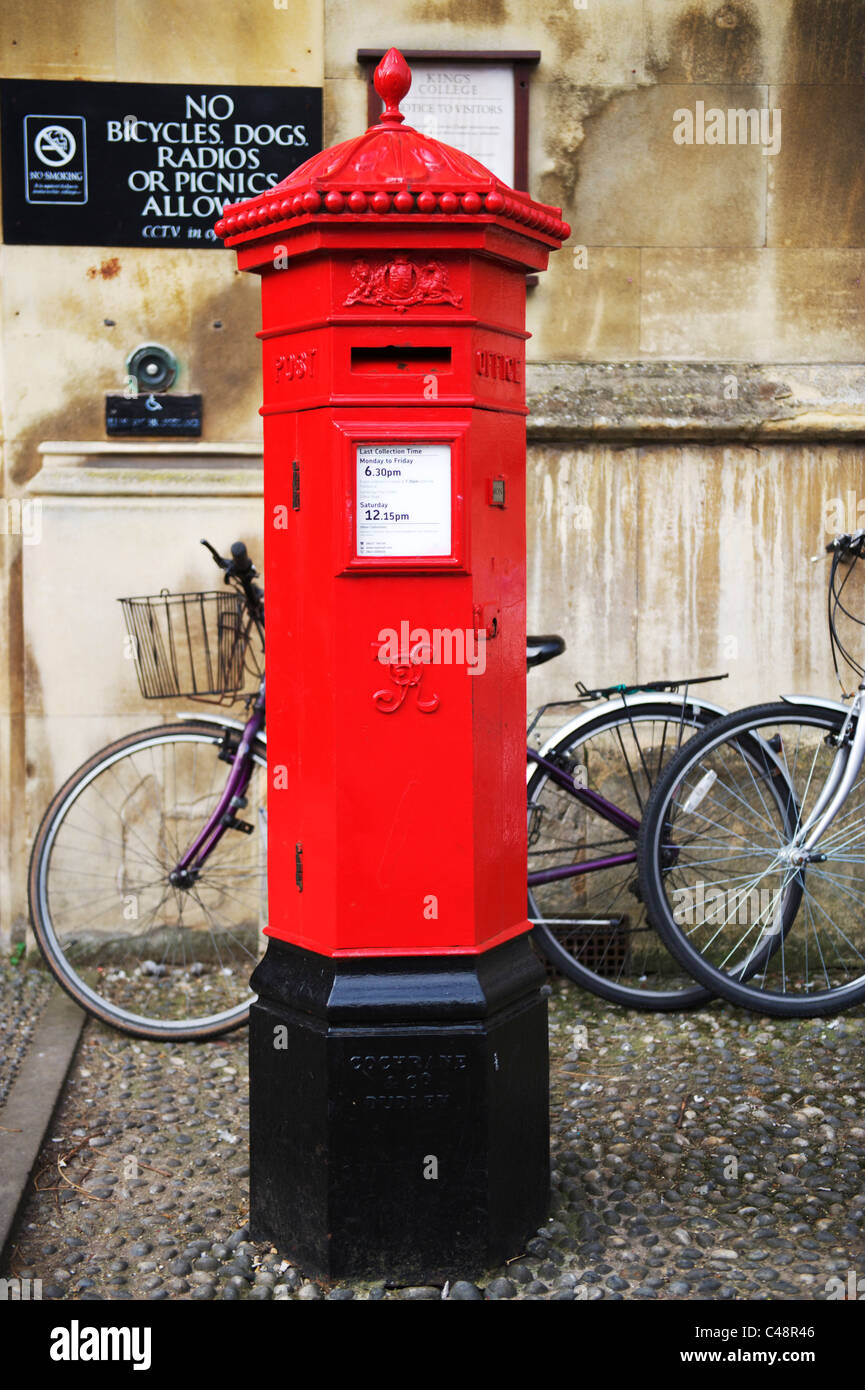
[475, 101]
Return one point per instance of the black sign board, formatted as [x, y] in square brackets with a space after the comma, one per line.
[142, 164]
[153, 414]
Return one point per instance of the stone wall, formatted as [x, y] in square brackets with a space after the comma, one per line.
[672, 523]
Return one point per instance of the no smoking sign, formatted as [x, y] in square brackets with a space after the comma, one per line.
[55, 164]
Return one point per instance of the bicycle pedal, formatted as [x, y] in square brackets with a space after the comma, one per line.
[233, 823]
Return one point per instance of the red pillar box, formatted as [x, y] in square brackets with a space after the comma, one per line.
[399, 1106]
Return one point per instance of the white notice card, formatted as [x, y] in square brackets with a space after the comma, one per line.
[404, 499]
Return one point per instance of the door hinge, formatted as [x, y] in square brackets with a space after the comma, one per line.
[295, 486]
[298, 866]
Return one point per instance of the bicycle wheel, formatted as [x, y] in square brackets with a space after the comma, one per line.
[731, 897]
[150, 958]
[592, 925]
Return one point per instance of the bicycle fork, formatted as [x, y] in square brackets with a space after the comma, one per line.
[843, 773]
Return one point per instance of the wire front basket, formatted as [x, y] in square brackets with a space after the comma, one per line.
[190, 645]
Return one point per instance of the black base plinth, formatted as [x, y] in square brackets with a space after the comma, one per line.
[399, 1110]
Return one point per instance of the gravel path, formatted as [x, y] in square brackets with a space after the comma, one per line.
[716, 1155]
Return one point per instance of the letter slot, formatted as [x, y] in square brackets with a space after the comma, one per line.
[392, 359]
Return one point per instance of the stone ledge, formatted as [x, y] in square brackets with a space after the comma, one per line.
[637, 402]
[84, 468]
[620, 402]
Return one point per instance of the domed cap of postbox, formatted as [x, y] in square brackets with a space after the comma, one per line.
[391, 171]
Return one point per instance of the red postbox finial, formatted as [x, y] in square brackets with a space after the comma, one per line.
[392, 81]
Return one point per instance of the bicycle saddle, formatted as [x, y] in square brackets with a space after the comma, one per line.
[541, 649]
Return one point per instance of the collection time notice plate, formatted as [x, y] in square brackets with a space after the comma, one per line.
[404, 499]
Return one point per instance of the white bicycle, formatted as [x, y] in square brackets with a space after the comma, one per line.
[752, 845]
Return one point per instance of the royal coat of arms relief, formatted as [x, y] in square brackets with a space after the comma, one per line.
[400, 283]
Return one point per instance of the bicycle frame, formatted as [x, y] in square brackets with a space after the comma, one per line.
[610, 812]
[593, 800]
[232, 797]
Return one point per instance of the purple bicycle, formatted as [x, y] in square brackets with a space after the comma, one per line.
[148, 874]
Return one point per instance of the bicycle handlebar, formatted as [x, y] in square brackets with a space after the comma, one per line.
[850, 541]
[849, 545]
[240, 561]
[241, 568]
[216, 555]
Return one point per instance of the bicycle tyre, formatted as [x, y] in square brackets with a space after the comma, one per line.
[596, 959]
[73, 947]
[778, 982]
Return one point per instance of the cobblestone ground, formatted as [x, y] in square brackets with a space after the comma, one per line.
[716, 1155]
